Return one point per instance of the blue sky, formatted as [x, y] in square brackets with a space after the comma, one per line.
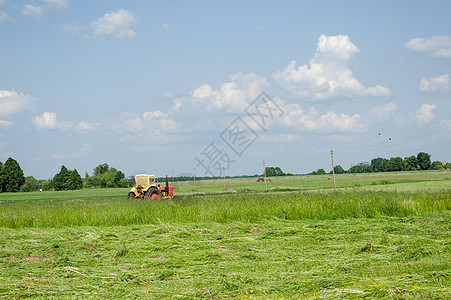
[157, 86]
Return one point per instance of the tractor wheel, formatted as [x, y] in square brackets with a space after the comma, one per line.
[131, 195]
[153, 193]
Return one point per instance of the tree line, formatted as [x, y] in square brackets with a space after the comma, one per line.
[12, 179]
[422, 161]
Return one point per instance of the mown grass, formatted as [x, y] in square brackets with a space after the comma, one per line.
[222, 208]
[387, 240]
[384, 258]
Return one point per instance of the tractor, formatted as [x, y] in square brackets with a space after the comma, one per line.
[145, 187]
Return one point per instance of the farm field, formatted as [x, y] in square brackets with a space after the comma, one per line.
[378, 236]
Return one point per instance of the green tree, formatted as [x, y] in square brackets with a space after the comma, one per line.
[30, 184]
[320, 172]
[410, 163]
[2, 180]
[278, 172]
[424, 160]
[338, 169]
[76, 182]
[67, 180]
[437, 165]
[107, 179]
[45, 184]
[11, 176]
[394, 164]
[270, 171]
[100, 169]
[379, 164]
[362, 167]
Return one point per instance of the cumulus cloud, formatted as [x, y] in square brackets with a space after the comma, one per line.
[4, 16]
[436, 46]
[152, 122]
[425, 114]
[232, 96]
[328, 75]
[48, 121]
[312, 120]
[384, 112]
[117, 24]
[164, 27]
[436, 84]
[12, 102]
[39, 11]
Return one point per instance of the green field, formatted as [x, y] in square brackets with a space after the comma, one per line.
[381, 235]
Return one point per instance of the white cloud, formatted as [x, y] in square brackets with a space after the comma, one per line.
[436, 46]
[312, 120]
[4, 16]
[425, 114]
[5, 124]
[48, 121]
[384, 112]
[12, 102]
[164, 27]
[434, 84]
[150, 123]
[281, 137]
[39, 11]
[118, 24]
[328, 74]
[232, 96]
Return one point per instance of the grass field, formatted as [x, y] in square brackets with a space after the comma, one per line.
[378, 236]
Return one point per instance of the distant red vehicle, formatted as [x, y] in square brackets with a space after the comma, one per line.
[260, 179]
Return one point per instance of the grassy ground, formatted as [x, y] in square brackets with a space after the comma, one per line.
[380, 236]
[393, 258]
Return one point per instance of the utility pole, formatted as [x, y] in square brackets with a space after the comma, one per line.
[223, 174]
[264, 175]
[194, 177]
[333, 171]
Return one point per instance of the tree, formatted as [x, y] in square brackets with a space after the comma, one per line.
[379, 164]
[437, 165]
[30, 184]
[2, 180]
[100, 169]
[424, 160]
[338, 169]
[410, 163]
[104, 176]
[362, 167]
[320, 172]
[394, 164]
[274, 171]
[11, 176]
[67, 180]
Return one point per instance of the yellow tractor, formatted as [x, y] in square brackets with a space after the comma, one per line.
[145, 187]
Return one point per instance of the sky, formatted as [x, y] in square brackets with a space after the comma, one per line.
[177, 87]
